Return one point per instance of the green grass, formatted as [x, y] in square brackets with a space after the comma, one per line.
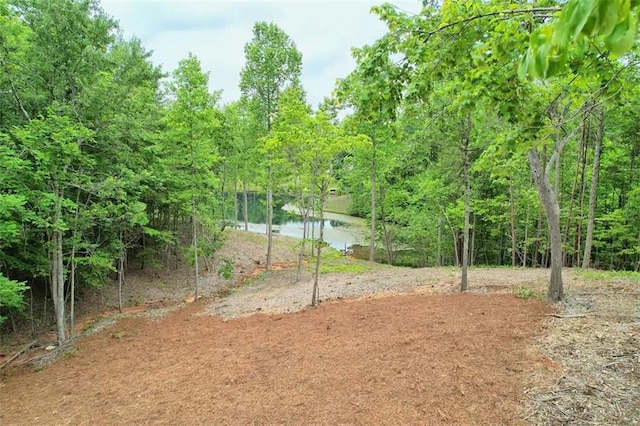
[334, 261]
[352, 268]
[593, 274]
[338, 204]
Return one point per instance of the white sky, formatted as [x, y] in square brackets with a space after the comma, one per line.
[217, 30]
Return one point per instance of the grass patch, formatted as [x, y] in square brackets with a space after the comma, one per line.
[334, 261]
[594, 274]
[343, 267]
[338, 204]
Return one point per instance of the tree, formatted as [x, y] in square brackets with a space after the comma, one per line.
[190, 146]
[373, 89]
[272, 63]
[328, 141]
[289, 147]
[54, 145]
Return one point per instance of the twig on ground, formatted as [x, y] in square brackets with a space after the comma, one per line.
[17, 354]
[570, 315]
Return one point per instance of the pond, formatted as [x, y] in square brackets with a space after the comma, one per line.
[340, 231]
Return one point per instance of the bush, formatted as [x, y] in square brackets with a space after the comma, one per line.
[10, 296]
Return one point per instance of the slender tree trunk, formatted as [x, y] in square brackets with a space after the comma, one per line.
[549, 201]
[72, 290]
[512, 214]
[120, 278]
[535, 255]
[223, 184]
[387, 242]
[385, 231]
[583, 190]
[195, 247]
[583, 138]
[314, 179]
[33, 323]
[246, 205]
[466, 132]
[57, 267]
[235, 203]
[57, 288]
[455, 239]
[316, 290]
[586, 259]
[439, 249]
[472, 251]
[372, 244]
[305, 219]
[526, 236]
[269, 228]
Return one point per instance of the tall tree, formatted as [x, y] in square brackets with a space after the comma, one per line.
[273, 63]
[190, 145]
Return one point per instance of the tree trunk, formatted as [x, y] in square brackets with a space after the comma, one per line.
[372, 244]
[549, 201]
[235, 203]
[512, 214]
[439, 249]
[472, 251]
[316, 290]
[526, 236]
[246, 205]
[120, 272]
[223, 184]
[455, 238]
[583, 190]
[583, 138]
[269, 227]
[57, 284]
[120, 280]
[195, 247]
[57, 267]
[535, 253]
[466, 132]
[385, 231]
[304, 212]
[72, 290]
[586, 259]
[314, 179]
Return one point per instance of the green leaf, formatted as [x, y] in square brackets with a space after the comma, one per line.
[623, 36]
[572, 20]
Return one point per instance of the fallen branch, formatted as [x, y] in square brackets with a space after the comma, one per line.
[17, 354]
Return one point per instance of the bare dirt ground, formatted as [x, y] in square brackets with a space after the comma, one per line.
[386, 346]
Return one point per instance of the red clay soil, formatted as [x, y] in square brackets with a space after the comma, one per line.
[412, 359]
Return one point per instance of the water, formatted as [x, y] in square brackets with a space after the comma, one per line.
[340, 231]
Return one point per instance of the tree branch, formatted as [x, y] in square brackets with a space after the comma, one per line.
[486, 15]
[559, 147]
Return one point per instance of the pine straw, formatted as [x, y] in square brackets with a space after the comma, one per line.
[597, 376]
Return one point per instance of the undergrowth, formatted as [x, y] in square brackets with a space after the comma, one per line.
[594, 274]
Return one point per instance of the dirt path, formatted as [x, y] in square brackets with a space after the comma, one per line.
[415, 359]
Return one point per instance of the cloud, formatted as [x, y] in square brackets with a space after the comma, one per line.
[216, 32]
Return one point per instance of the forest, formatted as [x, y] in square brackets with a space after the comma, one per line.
[473, 133]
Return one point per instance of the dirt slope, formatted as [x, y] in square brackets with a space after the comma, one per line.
[456, 359]
[386, 346]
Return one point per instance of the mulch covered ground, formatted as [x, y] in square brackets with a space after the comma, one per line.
[409, 359]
